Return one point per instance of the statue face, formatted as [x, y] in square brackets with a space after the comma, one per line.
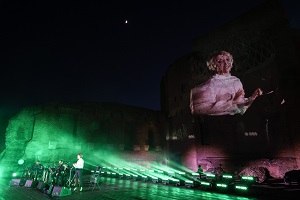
[223, 63]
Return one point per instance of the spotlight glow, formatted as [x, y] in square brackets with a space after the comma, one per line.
[21, 162]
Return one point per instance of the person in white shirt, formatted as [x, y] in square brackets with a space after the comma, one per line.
[222, 94]
[78, 171]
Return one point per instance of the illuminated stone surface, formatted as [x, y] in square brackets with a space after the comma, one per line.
[53, 132]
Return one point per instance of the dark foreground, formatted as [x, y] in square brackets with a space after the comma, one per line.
[123, 189]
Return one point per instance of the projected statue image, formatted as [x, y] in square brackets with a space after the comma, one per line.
[222, 94]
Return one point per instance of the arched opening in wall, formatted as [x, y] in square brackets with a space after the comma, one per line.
[151, 139]
[104, 131]
[201, 127]
[130, 137]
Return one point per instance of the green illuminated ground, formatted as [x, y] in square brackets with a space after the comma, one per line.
[115, 188]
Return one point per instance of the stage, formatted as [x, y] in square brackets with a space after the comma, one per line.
[119, 188]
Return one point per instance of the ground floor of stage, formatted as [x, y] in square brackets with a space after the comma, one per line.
[118, 188]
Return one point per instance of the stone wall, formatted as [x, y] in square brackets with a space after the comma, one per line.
[101, 132]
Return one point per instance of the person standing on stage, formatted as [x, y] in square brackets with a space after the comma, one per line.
[200, 171]
[59, 175]
[78, 171]
[220, 171]
[37, 170]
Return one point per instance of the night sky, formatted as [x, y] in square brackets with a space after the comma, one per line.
[70, 51]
